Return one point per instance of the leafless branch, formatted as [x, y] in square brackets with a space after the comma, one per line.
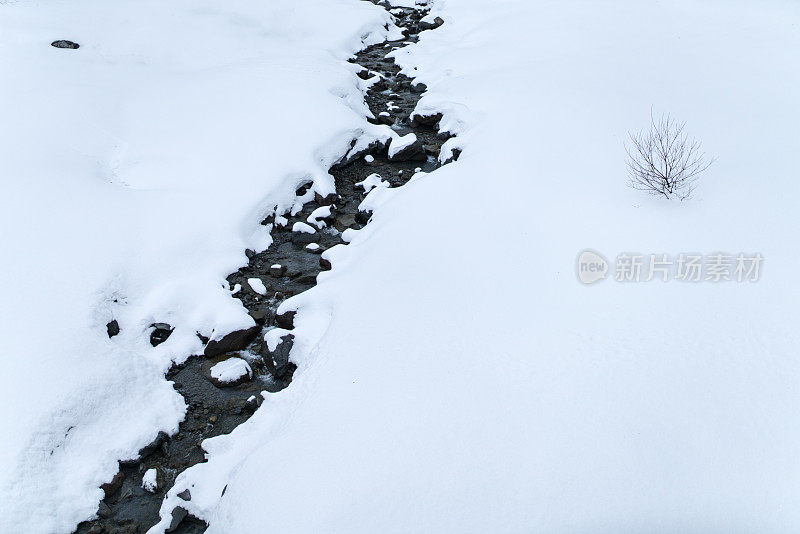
[664, 160]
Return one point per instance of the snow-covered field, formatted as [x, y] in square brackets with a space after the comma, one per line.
[469, 383]
[135, 172]
[454, 375]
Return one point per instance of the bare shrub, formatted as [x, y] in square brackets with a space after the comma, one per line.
[664, 160]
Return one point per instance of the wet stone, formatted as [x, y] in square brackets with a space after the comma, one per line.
[63, 43]
[112, 328]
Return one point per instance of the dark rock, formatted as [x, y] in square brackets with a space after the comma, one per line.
[150, 449]
[232, 342]
[160, 334]
[364, 74]
[112, 328]
[325, 264]
[326, 200]
[61, 43]
[110, 488]
[303, 189]
[433, 150]
[186, 495]
[277, 270]
[206, 366]
[303, 238]
[259, 316]
[249, 253]
[103, 511]
[413, 152]
[178, 515]
[426, 120]
[425, 25]
[419, 87]
[277, 361]
[385, 119]
[286, 319]
[306, 279]
[363, 216]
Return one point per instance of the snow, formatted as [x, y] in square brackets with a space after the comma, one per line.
[150, 480]
[257, 285]
[372, 181]
[302, 227]
[318, 214]
[230, 370]
[399, 143]
[369, 158]
[312, 246]
[135, 172]
[455, 375]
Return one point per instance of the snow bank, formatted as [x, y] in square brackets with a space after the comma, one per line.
[135, 172]
[455, 376]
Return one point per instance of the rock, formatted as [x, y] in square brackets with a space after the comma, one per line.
[160, 334]
[285, 320]
[364, 74]
[150, 449]
[325, 264]
[326, 200]
[104, 511]
[110, 488]
[303, 189]
[237, 340]
[418, 87]
[363, 216]
[178, 515]
[308, 279]
[303, 238]
[186, 495]
[411, 152]
[431, 25]
[153, 480]
[277, 361]
[385, 118]
[62, 43]
[259, 316]
[277, 270]
[433, 150]
[112, 328]
[426, 120]
[249, 253]
[228, 370]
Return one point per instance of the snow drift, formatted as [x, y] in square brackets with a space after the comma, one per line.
[135, 172]
[455, 376]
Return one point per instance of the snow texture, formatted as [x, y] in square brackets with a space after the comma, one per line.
[455, 376]
[135, 172]
[150, 480]
[257, 285]
[230, 370]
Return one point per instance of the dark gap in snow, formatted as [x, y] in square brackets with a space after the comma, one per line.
[218, 403]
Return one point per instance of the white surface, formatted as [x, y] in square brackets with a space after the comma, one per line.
[230, 370]
[150, 480]
[302, 227]
[455, 376]
[399, 143]
[135, 173]
[257, 285]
